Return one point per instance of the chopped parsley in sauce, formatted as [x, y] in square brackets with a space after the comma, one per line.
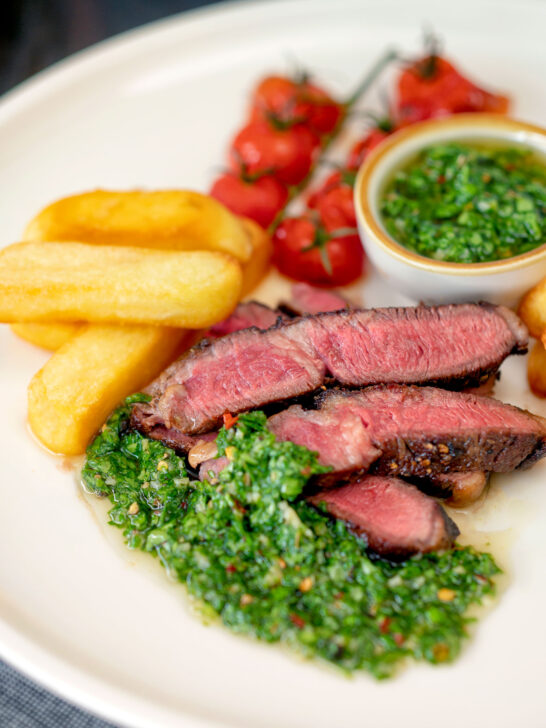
[269, 565]
[468, 203]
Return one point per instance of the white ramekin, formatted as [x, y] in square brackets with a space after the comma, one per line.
[425, 279]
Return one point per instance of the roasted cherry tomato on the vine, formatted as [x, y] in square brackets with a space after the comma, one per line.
[259, 198]
[365, 145]
[306, 251]
[336, 208]
[333, 200]
[433, 87]
[336, 179]
[296, 100]
[286, 153]
[273, 94]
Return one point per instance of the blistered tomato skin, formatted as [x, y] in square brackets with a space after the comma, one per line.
[260, 199]
[432, 87]
[308, 252]
[301, 101]
[364, 146]
[336, 209]
[285, 153]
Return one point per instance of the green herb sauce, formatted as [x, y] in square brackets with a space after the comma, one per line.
[468, 204]
[271, 566]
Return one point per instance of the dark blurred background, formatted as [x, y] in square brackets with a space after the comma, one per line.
[36, 33]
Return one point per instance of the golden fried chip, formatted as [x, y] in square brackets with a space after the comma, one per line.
[71, 396]
[536, 368]
[48, 336]
[167, 219]
[71, 282]
[532, 309]
[262, 248]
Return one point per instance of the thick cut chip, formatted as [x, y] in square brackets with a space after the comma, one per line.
[169, 219]
[262, 248]
[48, 336]
[71, 396]
[532, 309]
[536, 368]
[78, 282]
[52, 336]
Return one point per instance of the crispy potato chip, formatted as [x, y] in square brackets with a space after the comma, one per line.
[262, 249]
[71, 396]
[78, 282]
[48, 336]
[52, 336]
[536, 368]
[167, 219]
[532, 309]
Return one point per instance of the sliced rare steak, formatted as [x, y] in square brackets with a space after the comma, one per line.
[246, 315]
[453, 346]
[145, 420]
[413, 432]
[458, 489]
[306, 299]
[394, 517]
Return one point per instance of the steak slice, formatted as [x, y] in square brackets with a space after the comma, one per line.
[306, 299]
[413, 432]
[245, 315]
[394, 517]
[453, 346]
[145, 419]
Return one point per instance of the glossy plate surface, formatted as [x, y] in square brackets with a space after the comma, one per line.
[156, 108]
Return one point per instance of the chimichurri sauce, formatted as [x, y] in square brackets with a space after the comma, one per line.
[468, 204]
[270, 565]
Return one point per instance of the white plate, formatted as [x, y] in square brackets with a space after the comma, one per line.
[156, 108]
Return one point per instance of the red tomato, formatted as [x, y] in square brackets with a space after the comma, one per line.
[301, 101]
[360, 150]
[323, 113]
[305, 251]
[342, 177]
[336, 208]
[433, 87]
[274, 94]
[260, 199]
[261, 148]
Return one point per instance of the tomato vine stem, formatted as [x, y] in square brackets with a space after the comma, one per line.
[363, 86]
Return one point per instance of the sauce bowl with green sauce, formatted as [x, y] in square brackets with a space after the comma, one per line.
[455, 209]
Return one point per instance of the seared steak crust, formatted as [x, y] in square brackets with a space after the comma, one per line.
[454, 346]
[412, 432]
[394, 517]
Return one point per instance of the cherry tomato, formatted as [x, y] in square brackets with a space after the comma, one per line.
[341, 177]
[361, 149]
[323, 113]
[287, 153]
[336, 208]
[433, 87]
[334, 201]
[260, 199]
[305, 251]
[291, 100]
[274, 94]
